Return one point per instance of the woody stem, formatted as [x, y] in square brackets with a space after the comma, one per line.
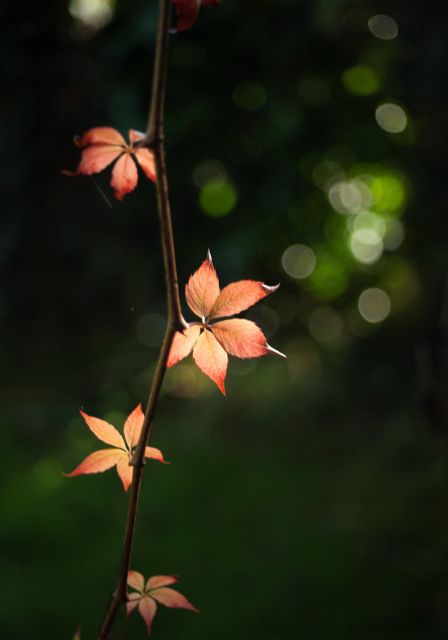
[155, 141]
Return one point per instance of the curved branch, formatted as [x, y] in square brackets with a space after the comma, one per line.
[175, 322]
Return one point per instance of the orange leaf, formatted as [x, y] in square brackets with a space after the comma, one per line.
[160, 581]
[102, 146]
[241, 338]
[104, 431]
[147, 609]
[211, 358]
[96, 158]
[135, 136]
[133, 426]
[154, 454]
[183, 344]
[202, 289]
[125, 470]
[239, 296]
[98, 461]
[211, 341]
[121, 454]
[145, 158]
[100, 135]
[133, 599]
[136, 580]
[124, 176]
[172, 598]
[156, 589]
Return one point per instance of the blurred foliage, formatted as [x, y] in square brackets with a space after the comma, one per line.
[304, 147]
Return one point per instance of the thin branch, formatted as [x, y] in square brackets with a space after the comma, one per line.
[175, 321]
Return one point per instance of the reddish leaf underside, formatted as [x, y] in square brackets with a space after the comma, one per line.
[102, 146]
[100, 135]
[124, 176]
[187, 11]
[145, 159]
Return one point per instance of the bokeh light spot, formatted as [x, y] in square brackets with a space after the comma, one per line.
[330, 277]
[299, 261]
[374, 305]
[366, 245]
[92, 13]
[394, 234]
[350, 196]
[389, 192]
[361, 80]
[391, 117]
[217, 198]
[249, 95]
[369, 220]
[208, 171]
[326, 173]
[383, 27]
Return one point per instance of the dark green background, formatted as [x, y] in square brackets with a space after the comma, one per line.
[311, 503]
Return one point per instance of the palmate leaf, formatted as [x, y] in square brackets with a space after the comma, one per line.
[102, 146]
[120, 455]
[156, 590]
[213, 338]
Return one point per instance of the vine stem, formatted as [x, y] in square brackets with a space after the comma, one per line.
[154, 140]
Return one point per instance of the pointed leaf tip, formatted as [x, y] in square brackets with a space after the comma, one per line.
[97, 462]
[202, 289]
[172, 598]
[211, 358]
[160, 581]
[104, 431]
[275, 351]
[147, 608]
[270, 288]
[209, 256]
